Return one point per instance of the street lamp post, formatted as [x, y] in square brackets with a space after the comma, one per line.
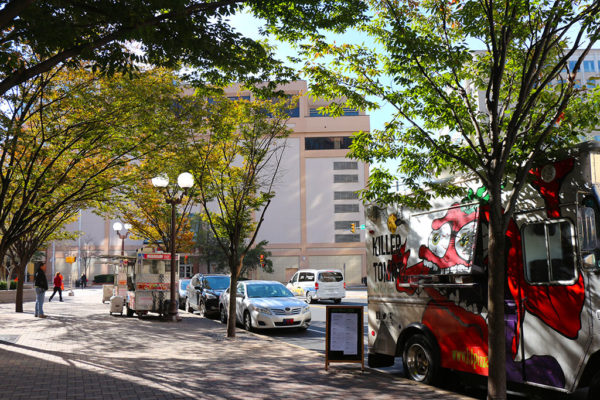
[117, 226]
[184, 181]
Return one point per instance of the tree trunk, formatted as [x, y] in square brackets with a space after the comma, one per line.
[496, 328]
[231, 320]
[19, 294]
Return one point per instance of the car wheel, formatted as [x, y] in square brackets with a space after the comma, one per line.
[247, 321]
[302, 328]
[188, 306]
[309, 298]
[223, 315]
[594, 388]
[337, 301]
[420, 360]
[202, 309]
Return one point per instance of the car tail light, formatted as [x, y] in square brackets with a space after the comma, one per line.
[344, 285]
[316, 285]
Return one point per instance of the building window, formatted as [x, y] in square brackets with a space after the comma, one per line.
[346, 112]
[327, 143]
[345, 195]
[346, 208]
[572, 66]
[347, 238]
[345, 178]
[588, 66]
[345, 225]
[345, 165]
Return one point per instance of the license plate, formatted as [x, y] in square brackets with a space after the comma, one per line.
[288, 321]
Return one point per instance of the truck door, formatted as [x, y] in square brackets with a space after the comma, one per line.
[551, 300]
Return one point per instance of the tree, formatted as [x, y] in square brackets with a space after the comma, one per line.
[143, 206]
[236, 153]
[25, 247]
[426, 70]
[252, 260]
[114, 36]
[67, 137]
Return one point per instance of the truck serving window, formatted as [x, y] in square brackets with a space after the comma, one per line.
[548, 249]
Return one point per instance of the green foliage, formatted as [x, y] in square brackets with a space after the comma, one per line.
[116, 36]
[489, 114]
[13, 285]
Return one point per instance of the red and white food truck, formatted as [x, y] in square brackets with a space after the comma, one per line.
[427, 281]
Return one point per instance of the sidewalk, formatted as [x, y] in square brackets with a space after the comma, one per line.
[81, 352]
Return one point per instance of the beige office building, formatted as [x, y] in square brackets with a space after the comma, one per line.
[307, 223]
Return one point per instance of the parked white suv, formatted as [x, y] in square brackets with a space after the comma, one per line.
[318, 284]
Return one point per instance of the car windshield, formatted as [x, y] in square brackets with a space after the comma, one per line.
[184, 284]
[216, 282]
[268, 290]
[330, 276]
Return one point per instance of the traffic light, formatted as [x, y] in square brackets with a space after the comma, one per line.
[353, 227]
[262, 260]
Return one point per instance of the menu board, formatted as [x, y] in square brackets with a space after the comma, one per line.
[344, 335]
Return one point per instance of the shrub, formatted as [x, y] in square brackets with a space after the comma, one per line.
[13, 285]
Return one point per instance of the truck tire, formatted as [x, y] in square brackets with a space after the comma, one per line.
[420, 360]
[377, 360]
[309, 298]
[594, 388]
[188, 306]
[337, 301]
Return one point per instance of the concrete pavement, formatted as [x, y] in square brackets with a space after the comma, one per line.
[80, 352]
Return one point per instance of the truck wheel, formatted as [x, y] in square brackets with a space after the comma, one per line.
[223, 315]
[420, 360]
[188, 306]
[594, 388]
[201, 309]
[337, 301]
[129, 312]
[309, 298]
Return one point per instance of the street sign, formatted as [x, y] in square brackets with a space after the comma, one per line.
[70, 259]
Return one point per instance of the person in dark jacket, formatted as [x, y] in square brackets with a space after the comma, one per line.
[41, 285]
[58, 285]
[83, 281]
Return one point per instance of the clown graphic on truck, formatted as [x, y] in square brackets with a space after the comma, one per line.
[427, 281]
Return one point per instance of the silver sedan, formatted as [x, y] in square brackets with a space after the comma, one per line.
[266, 305]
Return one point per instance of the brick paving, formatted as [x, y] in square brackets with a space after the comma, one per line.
[81, 352]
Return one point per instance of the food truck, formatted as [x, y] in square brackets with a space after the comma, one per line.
[427, 281]
[149, 282]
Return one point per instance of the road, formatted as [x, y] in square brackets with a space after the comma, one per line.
[314, 339]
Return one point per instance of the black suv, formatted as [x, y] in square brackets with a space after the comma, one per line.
[203, 293]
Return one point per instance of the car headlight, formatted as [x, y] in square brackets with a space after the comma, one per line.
[263, 310]
[210, 295]
[305, 309]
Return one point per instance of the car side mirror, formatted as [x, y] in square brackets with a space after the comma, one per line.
[240, 295]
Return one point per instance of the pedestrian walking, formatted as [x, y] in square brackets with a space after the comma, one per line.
[83, 280]
[41, 285]
[58, 287]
